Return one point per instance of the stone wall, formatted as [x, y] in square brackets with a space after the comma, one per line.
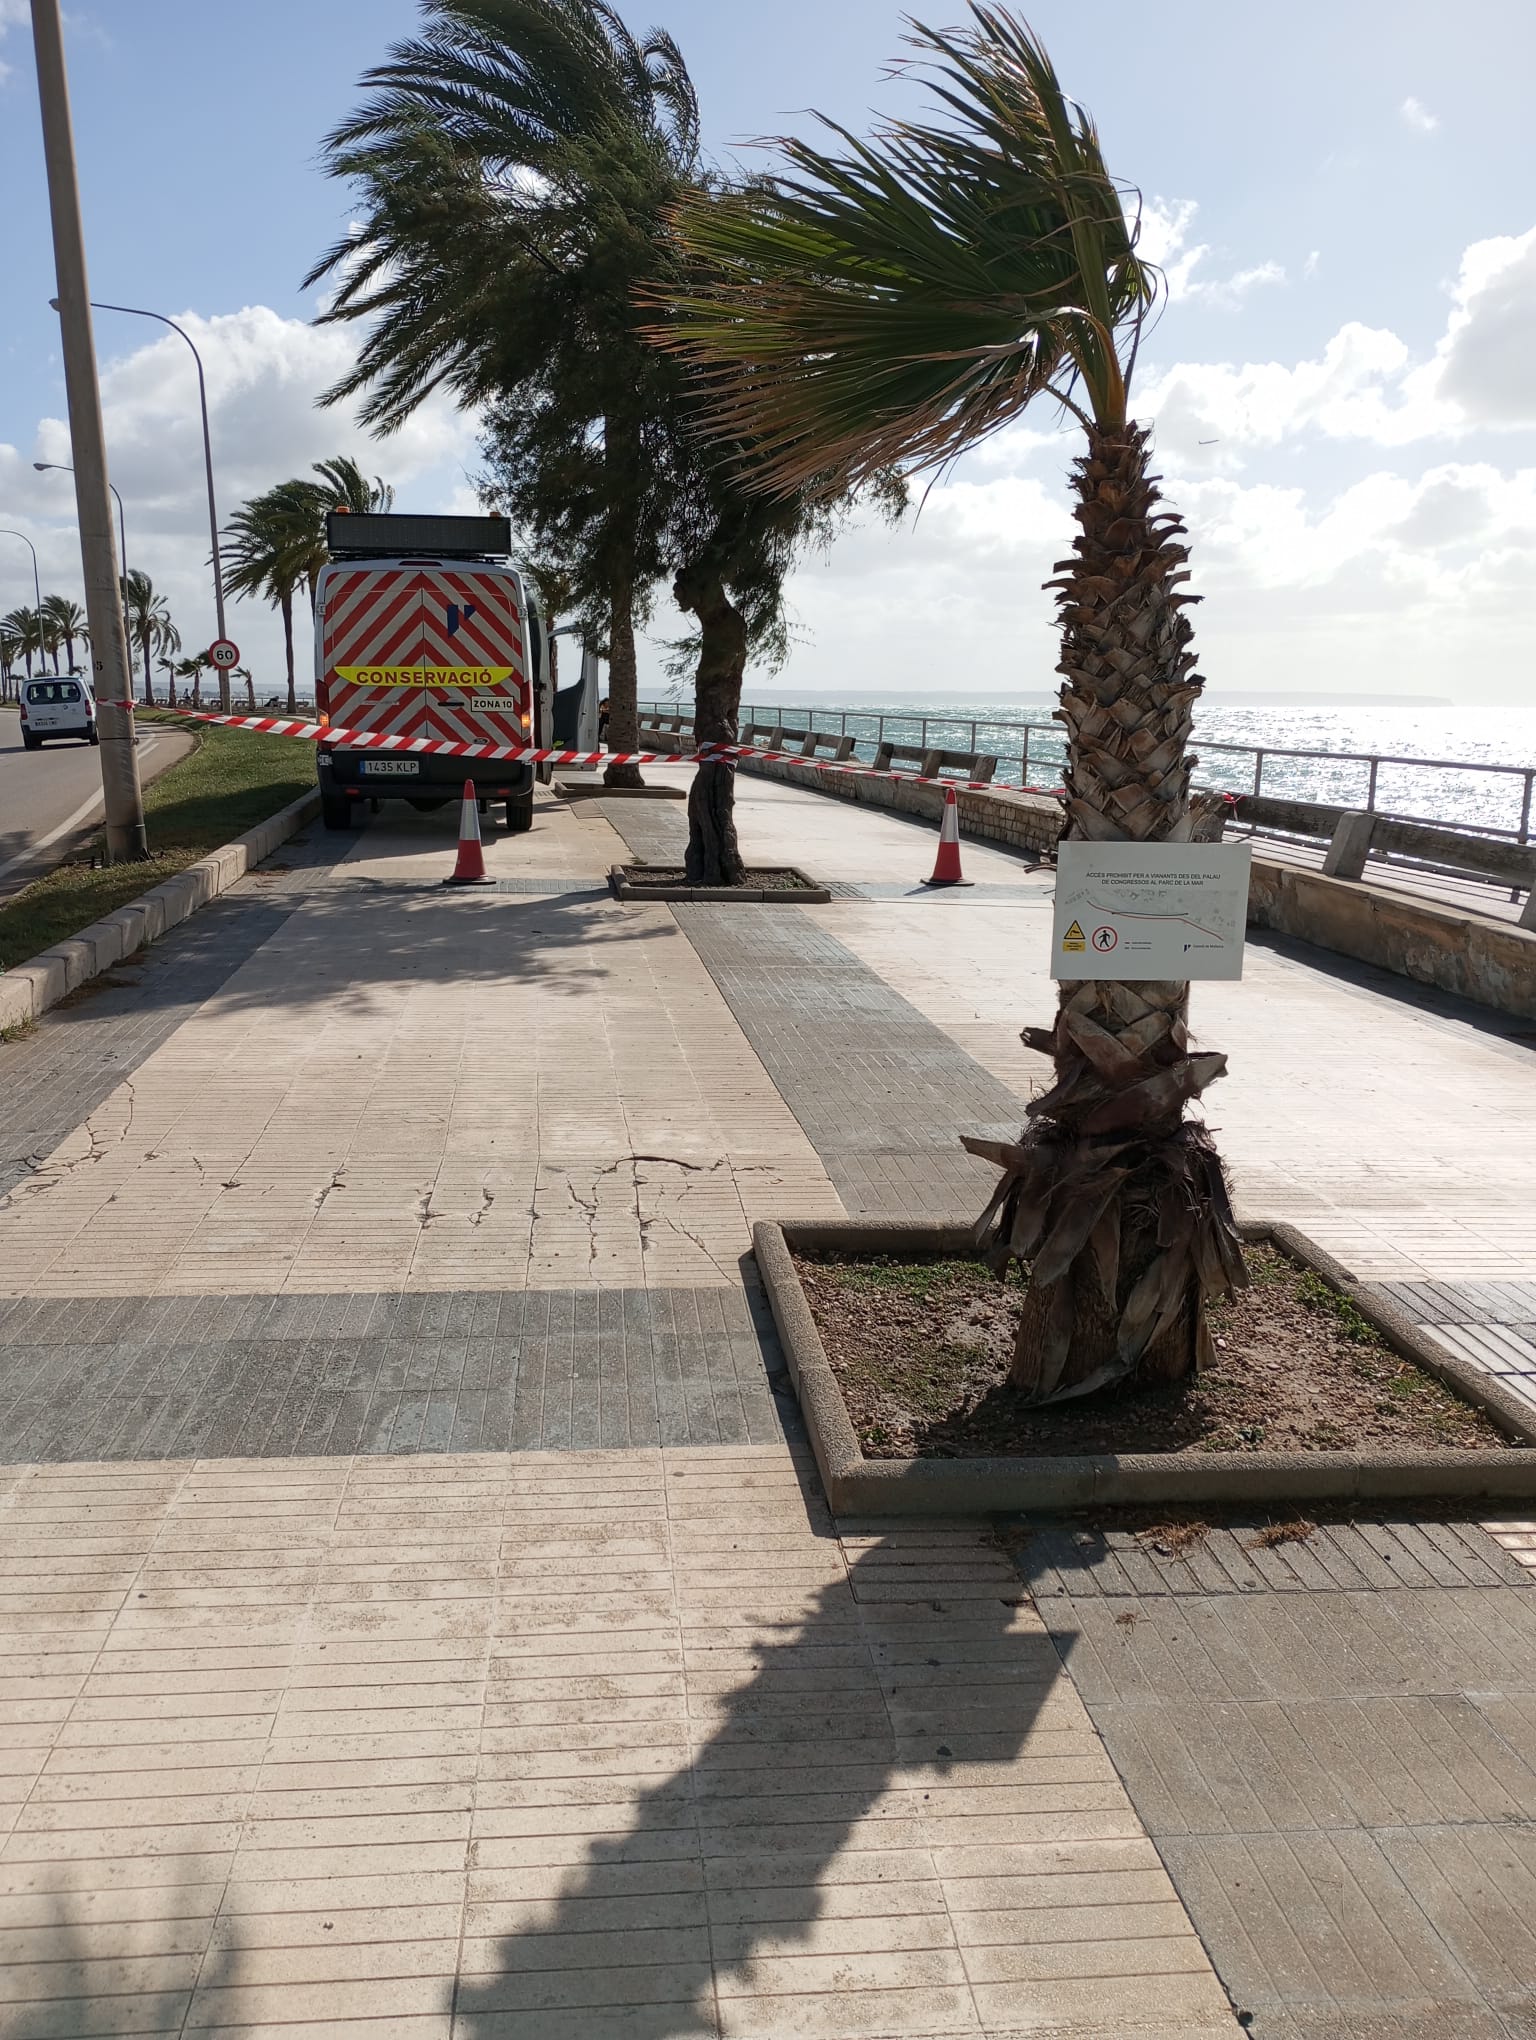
[1471, 955]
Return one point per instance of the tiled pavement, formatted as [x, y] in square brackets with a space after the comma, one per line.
[564, 1747]
[881, 1092]
[1333, 1744]
[1493, 1324]
[1396, 1127]
[275, 1377]
[375, 1722]
[401, 1087]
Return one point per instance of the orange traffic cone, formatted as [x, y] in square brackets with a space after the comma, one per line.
[946, 866]
[470, 868]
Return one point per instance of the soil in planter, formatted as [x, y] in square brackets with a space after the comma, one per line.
[767, 878]
[921, 1351]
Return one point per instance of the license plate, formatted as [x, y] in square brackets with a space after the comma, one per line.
[391, 768]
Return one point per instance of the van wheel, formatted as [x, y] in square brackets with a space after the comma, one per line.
[93, 735]
[336, 811]
[519, 816]
[29, 742]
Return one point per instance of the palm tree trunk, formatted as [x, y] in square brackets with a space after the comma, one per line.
[285, 603]
[145, 641]
[1116, 1202]
[714, 855]
[623, 677]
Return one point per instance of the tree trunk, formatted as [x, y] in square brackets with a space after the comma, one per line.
[623, 679]
[250, 692]
[286, 604]
[149, 679]
[1116, 1203]
[714, 856]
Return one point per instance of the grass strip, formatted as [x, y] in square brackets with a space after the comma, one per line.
[232, 781]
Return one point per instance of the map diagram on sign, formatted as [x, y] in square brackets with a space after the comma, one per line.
[1150, 910]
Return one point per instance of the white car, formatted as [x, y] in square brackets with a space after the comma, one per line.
[57, 708]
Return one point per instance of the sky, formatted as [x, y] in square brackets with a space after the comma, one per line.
[1340, 382]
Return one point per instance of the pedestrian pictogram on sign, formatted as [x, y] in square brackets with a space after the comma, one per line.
[224, 653]
[1074, 937]
[1104, 938]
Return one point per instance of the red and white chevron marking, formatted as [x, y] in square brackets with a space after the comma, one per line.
[707, 754]
[400, 617]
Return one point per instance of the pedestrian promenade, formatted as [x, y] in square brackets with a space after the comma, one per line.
[419, 1613]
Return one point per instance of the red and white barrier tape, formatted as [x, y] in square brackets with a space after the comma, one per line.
[450, 747]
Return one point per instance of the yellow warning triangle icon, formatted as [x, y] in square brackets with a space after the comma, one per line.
[1074, 934]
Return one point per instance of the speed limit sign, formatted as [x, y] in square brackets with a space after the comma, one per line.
[224, 653]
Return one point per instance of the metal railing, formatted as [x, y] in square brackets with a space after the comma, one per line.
[1495, 800]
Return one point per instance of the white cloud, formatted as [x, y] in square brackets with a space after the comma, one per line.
[1366, 383]
[1418, 117]
[265, 374]
[1164, 239]
[1398, 583]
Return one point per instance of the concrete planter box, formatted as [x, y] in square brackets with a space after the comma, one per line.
[594, 789]
[968, 1487]
[805, 892]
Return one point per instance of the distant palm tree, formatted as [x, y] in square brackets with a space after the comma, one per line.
[13, 641]
[267, 554]
[26, 628]
[168, 667]
[192, 670]
[10, 652]
[342, 486]
[149, 622]
[50, 640]
[67, 621]
[244, 673]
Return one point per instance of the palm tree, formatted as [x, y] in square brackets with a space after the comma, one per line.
[244, 673]
[168, 667]
[306, 505]
[149, 622]
[896, 301]
[10, 653]
[27, 626]
[67, 621]
[50, 639]
[263, 558]
[191, 670]
[513, 163]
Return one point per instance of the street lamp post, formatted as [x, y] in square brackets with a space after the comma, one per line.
[137, 312]
[58, 467]
[37, 586]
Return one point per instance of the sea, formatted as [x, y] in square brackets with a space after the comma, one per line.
[1470, 765]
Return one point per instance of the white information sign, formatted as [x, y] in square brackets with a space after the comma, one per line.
[1150, 910]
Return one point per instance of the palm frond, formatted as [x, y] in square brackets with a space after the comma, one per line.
[896, 300]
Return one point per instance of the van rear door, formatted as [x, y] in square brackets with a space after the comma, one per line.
[424, 649]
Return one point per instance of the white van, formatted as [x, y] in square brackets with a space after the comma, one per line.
[57, 708]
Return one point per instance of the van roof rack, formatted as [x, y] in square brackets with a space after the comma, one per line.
[373, 534]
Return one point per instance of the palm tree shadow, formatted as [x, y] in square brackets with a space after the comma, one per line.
[805, 1823]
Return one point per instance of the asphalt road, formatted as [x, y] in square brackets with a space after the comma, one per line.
[51, 799]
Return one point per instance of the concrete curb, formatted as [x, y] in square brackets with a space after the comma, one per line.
[949, 1487]
[27, 991]
[806, 894]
